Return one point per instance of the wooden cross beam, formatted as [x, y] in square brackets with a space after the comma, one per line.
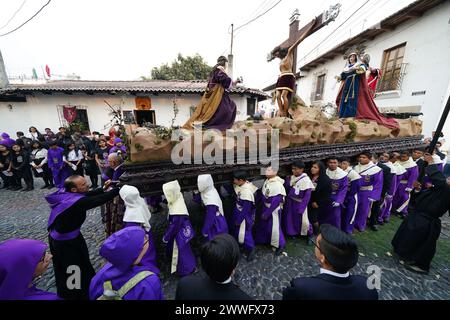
[295, 33]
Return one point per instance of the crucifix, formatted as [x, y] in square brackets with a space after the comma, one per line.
[287, 53]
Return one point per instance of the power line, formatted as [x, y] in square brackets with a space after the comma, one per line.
[42, 8]
[259, 16]
[14, 15]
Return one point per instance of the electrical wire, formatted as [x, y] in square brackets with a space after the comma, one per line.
[14, 15]
[42, 8]
[258, 16]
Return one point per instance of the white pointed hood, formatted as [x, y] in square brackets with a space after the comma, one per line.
[136, 209]
[175, 199]
[209, 194]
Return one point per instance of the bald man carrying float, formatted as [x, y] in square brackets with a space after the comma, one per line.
[73, 269]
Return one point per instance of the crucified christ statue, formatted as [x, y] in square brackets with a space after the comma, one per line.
[286, 52]
[286, 81]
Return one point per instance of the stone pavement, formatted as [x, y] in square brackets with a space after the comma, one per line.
[24, 215]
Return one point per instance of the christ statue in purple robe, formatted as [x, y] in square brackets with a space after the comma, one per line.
[216, 109]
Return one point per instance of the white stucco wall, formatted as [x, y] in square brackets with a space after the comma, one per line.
[427, 54]
[41, 110]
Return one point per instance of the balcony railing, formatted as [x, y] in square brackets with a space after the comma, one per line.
[394, 82]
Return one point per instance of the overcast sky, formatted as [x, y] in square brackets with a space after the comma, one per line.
[123, 40]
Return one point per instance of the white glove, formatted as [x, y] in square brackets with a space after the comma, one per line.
[371, 200]
[388, 196]
[408, 189]
[336, 204]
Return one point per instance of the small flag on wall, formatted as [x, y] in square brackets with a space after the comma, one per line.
[70, 113]
[35, 76]
[47, 70]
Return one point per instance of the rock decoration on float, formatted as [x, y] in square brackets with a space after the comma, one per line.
[308, 126]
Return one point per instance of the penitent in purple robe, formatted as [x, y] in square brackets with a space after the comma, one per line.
[351, 201]
[177, 237]
[386, 206]
[295, 216]
[268, 230]
[405, 186]
[369, 191]
[7, 141]
[18, 261]
[225, 114]
[60, 171]
[121, 250]
[150, 256]
[215, 223]
[244, 211]
[331, 213]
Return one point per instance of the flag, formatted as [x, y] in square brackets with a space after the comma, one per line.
[35, 76]
[47, 70]
[70, 113]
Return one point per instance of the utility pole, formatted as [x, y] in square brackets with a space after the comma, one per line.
[4, 82]
[230, 56]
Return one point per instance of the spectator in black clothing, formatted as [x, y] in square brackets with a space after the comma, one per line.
[49, 135]
[21, 168]
[388, 175]
[337, 253]
[63, 137]
[26, 141]
[101, 157]
[90, 166]
[73, 157]
[38, 161]
[5, 160]
[219, 259]
[321, 196]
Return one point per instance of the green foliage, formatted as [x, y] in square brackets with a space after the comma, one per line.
[351, 136]
[183, 68]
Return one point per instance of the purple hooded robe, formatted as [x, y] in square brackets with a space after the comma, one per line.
[405, 186]
[369, 191]
[295, 216]
[18, 261]
[59, 169]
[121, 249]
[7, 141]
[333, 209]
[351, 201]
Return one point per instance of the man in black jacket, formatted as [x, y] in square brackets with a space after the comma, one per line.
[219, 259]
[71, 263]
[388, 175]
[337, 253]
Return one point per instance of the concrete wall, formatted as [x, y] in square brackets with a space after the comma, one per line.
[427, 54]
[41, 110]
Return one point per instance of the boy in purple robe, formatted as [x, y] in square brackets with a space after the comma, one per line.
[215, 222]
[351, 199]
[405, 185]
[268, 230]
[369, 190]
[179, 233]
[21, 261]
[60, 170]
[119, 148]
[386, 206]
[137, 214]
[7, 141]
[298, 189]
[244, 212]
[339, 187]
[126, 276]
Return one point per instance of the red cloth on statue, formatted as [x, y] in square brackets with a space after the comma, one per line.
[367, 109]
[373, 80]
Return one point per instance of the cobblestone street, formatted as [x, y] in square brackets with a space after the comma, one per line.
[24, 215]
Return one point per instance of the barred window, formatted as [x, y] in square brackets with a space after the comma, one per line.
[393, 67]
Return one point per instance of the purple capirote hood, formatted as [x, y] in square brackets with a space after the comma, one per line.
[122, 248]
[18, 261]
[60, 201]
